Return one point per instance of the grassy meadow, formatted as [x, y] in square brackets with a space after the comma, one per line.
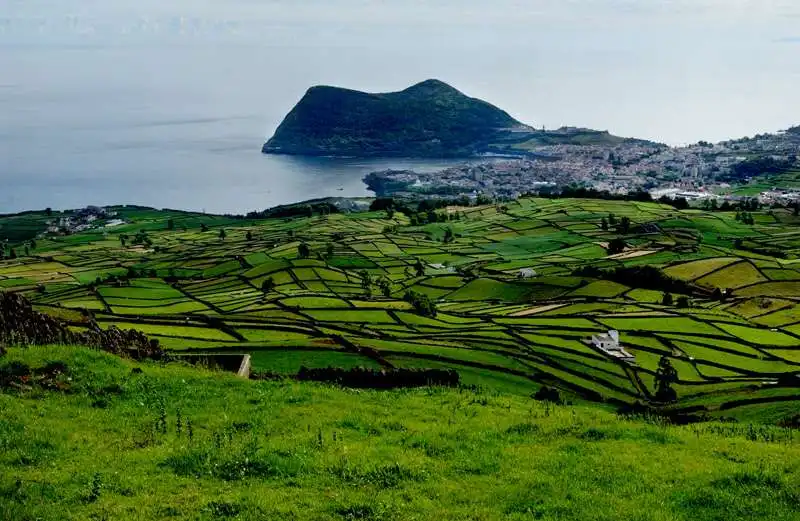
[120, 440]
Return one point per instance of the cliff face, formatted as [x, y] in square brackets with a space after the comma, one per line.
[430, 119]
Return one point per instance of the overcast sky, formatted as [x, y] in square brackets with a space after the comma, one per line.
[674, 71]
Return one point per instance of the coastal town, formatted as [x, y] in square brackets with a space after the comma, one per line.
[694, 172]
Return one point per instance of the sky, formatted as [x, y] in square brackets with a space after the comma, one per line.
[673, 71]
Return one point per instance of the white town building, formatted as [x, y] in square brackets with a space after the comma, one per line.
[609, 344]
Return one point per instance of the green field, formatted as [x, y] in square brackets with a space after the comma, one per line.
[516, 304]
[123, 440]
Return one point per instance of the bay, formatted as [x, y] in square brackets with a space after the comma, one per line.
[168, 103]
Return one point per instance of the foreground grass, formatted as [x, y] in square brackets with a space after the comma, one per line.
[178, 443]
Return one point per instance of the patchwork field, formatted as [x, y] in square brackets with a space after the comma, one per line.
[518, 291]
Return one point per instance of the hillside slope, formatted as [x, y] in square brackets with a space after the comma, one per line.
[112, 442]
[430, 119]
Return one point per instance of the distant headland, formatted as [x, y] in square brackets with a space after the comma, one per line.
[427, 120]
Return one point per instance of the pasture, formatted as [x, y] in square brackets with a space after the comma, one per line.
[519, 288]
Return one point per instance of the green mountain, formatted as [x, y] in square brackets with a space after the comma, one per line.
[430, 119]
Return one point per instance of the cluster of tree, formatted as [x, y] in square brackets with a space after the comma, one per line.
[307, 209]
[616, 245]
[755, 167]
[140, 238]
[749, 204]
[382, 204]
[385, 286]
[622, 225]
[8, 253]
[582, 192]
[421, 303]
[682, 301]
[410, 207]
[428, 217]
[745, 217]
[362, 378]
[739, 244]
[366, 283]
[646, 277]
[679, 203]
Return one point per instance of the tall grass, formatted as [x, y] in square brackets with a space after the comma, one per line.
[180, 443]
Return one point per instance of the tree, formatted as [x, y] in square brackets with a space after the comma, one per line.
[12, 254]
[303, 250]
[390, 213]
[171, 224]
[612, 219]
[667, 299]
[616, 245]
[666, 375]
[141, 238]
[624, 225]
[604, 224]
[386, 286]
[421, 303]
[683, 301]
[681, 203]
[27, 250]
[366, 283]
[381, 203]
[419, 268]
[268, 285]
[329, 249]
[448, 235]
[48, 211]
[33, 244]
[222, 234]
[123, 238]
[203, 227]
[249, 236]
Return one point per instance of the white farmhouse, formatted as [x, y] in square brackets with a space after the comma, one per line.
[526, 273]
[609, 344]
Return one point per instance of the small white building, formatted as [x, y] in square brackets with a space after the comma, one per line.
[526, 273]
[609, 344]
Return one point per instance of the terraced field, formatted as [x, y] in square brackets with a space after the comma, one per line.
[515, 288]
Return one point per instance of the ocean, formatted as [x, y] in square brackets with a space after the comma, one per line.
[167, 104]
